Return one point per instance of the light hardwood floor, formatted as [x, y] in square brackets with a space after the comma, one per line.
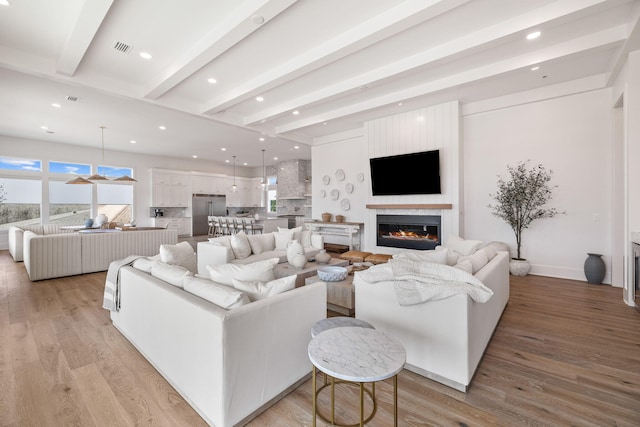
[564, 353]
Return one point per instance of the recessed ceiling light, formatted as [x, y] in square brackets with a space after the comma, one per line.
[145, 55]
[325, 123]
[275, 158]
[261, 139]
[56, 105]
[223, 149]
[533, 36]
[399, 104]
[536, 68]
[194, 156]
[212, 80]
[44, 127]
[259, 98]
[296, 147]
[5, 3]
[244, 164]
[162, 127]
[227, 161]
[296, 112]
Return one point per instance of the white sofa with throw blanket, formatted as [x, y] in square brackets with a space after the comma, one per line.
[444, 338]
[230, 353]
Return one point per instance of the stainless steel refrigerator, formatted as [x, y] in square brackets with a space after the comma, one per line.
[203, 206]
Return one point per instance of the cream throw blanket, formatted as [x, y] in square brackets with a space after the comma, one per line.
[111, 299]
[416, 282]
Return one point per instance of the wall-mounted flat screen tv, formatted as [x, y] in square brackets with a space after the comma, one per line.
[414, 173]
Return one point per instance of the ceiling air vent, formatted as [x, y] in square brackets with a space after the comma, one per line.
[72, 98]
[122, 47]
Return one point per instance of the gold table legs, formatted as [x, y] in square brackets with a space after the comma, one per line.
[371, 392]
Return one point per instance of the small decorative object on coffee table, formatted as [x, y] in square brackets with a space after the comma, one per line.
[299, 261]
[332, 273]
[294, 248]
[322, 257]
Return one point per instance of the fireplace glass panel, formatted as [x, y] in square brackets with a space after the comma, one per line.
[421, 232]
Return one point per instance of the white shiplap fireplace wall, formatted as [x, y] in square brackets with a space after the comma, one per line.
[429, 128]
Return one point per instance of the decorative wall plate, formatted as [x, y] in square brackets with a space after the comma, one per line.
[360, 177]
[349, 187]
[340, 175]
[322, 194]
[345, 204]
[335, 194]
[326, 179]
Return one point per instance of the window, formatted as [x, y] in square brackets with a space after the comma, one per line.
[16, 164]
[19, 202]
[114, 172]
[115, 201]
[72, 168]
[69, 204]
[271, 194]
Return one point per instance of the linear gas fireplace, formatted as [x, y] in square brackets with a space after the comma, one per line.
[420, 232]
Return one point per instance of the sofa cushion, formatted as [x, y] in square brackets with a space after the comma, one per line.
[435, 256]
[296, 232]
[220, 295]
[240, 245]
[172, 274]
[181, 254]
[225, 273]
[282, 237]
[305, 238]
[257, 290]
[465, 265]
[144, 263]
[462, 246]
[478, 260]
[261, 242]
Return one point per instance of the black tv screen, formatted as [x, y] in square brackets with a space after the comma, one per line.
[414, 173]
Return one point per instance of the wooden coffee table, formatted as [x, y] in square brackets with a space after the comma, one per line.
[340, 295]
[310, 269]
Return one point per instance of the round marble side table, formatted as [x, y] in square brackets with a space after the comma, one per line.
[357, 355]
[337, 322]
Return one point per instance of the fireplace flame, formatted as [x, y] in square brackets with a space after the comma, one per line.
[411, 235]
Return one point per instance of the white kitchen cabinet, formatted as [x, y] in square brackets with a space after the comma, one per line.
[169, 189]
[208, 184]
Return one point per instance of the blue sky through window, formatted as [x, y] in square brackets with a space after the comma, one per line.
[113, 172]
[12, 163]
[74, 168]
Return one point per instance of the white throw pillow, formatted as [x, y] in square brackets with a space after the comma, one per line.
[221, 295]
[490, 251]
[257, 290]
[181, 254]
[172, 274]
[478, 260]
[465, 265]
[296, 232]
[452, 256]
[462, 246]
[282, 237]
[260, 270]
[305, 238]
[438, 257]
[240, 245]
[261, 242]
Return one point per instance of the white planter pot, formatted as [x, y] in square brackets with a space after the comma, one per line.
[519, 267]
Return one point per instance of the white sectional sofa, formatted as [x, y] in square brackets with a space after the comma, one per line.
[229, 364]
[16, 237]
[225, 249]
[445, 339]
[52, 254]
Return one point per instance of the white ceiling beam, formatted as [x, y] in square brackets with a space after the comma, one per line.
[595, 41]
[632, 43]
[467, 44]
[215, 43]
[91, 16]
[392, 21]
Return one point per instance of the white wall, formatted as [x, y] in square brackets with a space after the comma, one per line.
[572, 136]
[346, 151]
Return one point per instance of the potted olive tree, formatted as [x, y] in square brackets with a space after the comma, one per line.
[519, 201]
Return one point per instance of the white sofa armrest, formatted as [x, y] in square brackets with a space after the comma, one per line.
[15, 243]
[53, 255]
[212, 254]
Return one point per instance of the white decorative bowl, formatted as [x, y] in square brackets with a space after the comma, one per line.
[332, 273]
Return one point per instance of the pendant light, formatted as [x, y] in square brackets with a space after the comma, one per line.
[264, 173]
[79, 180]
[96, 176]
[234, 187]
